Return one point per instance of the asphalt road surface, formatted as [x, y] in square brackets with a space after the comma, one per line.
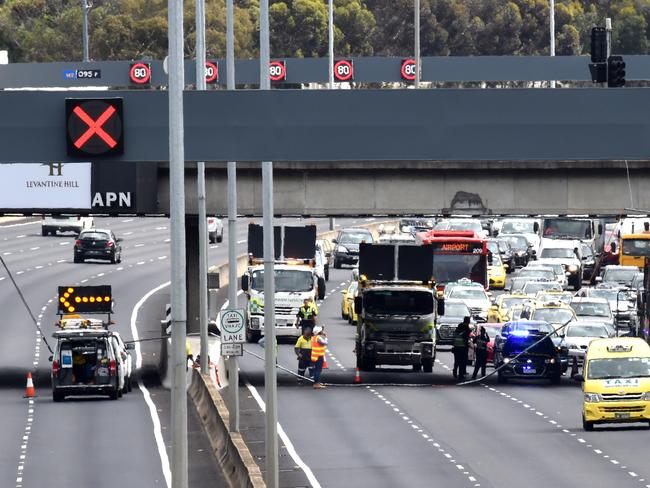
[391, 431]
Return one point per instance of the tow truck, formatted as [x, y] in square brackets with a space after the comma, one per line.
[397, 307]
[296, 279]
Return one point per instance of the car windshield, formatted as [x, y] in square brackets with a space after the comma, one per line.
[556, 297]
[547, 274]
[557, 252]
[586, 331]
[503, 246]
[518, 243]
[587, 252]
[611, 368]
[493, 247]
[398, 302]
[98, 236]
[456, 310]
[620, 274]
[509, 302]
[532, 287]
[355, 238]
[606, 293]
[518, 227]
[464, 225]
[553, 315]
[576, 229]
[468, 293]
[557, 268]
[286, 280]
[591, 309]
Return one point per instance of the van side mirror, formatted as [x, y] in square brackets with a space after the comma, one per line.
[440, 306]
[536, 227]
[612, 247]
[646, 226]
[600, 229]
[335, 241]
[130, 346]
[244, 282]
[358, 304]
[51, 357]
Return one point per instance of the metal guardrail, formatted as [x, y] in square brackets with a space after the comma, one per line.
[315, 70]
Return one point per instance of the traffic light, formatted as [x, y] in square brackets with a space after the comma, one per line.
[615, 71]
[94, 127]
[598, 45]
[598, 72]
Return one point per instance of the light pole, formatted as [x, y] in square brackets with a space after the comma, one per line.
[330, 35]
[552, 33]
[85, 7]
[416, 28]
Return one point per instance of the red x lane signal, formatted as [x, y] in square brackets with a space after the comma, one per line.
[94, 127]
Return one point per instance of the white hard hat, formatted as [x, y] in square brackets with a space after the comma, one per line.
[317, 330]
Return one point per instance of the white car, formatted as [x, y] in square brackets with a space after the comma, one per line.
[567, 253]
[593, 310]
[463, 224]
[525, 227]
[57, 223]
[532, 288]
[558, 269]
[474, 297]
[215, 230]
[123, 351]
[577, 337]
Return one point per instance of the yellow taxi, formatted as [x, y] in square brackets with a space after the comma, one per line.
[501, 310]
[555, 313]
[347, 299]
[497, 273]
[616, 382]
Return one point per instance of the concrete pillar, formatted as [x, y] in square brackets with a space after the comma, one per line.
[192, 272]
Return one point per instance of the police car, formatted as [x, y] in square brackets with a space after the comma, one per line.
[513, 359]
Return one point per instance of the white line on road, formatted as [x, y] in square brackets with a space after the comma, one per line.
[127, 233]
[127, 220]
[64, 243]
[139, 245]
[287, 442]
[241, 242]
[34, 248]
[21, 224]
[157, 430]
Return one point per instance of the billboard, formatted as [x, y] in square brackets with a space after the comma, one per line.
[45, 186]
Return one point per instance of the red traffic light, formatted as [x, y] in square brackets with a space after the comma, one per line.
[94, 127]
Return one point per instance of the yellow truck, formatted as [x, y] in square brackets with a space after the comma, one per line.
[634, 249]
[616, 382]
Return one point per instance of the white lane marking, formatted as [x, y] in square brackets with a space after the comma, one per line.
[157, 430]
[61, 261]
[21, 224]
[127, 220]
[64, 243]
[241, 242]
[138, 245]
[127, 233]
[227, 302]
[139, 263]
[34, 248]
[162, 257]
[6, 253]
[99, 275]
[287, 442]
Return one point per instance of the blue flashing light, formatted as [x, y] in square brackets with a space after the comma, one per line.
[519, 333]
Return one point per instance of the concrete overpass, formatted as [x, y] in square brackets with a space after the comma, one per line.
[426, 187]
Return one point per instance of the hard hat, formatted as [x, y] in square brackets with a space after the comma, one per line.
[317, 330]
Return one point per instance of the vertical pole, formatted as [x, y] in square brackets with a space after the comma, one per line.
[84, 26]
[177, 224]
[552, 32]
[330, 35]
[608, 28]
[416, 28]
[270, 375]
[200, 186]
[233, 370]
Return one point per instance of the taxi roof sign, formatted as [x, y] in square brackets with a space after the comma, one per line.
[84, 299]
[619, 348]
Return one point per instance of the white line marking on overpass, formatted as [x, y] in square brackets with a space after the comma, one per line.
[157, 430]
[287, 442]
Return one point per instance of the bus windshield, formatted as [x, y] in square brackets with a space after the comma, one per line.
[636, 247]
[453, 267]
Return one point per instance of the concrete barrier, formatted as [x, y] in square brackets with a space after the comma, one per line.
[229, 449]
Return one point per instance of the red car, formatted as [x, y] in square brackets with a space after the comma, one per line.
[492, 329]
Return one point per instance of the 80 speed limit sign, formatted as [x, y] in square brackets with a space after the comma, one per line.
[277, 71]
[344, 70]
[408, 69]
[140, 73]
[211, 72]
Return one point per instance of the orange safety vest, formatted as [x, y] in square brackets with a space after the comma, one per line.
[317, 349]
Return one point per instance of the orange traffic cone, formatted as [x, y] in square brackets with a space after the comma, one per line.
[324, 362]
[30, 392]
[357, 376]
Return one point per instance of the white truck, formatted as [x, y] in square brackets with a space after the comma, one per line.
[294, 281]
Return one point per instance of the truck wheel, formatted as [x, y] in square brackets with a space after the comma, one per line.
[253, 336]
[337, 264]
[417, 367]
[586, 425]
[114, 394]
[57, 396]
[327, 273]
[44, 231]
[78, 259]
[427, 365]
[321, 288]
[220, 237]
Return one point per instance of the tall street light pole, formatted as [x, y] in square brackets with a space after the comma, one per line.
[85, 7]
[270, 374]
[416, 29]
[330, 35]
[552, 32]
